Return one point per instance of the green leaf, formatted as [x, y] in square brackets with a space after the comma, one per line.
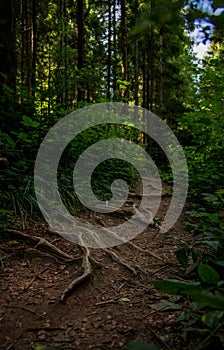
[206, 298]
[164, 305]
[29, 122]
[9, 140]
[207, 274]
[193, 290]
[182, 256]
[212, 244]
[219, 262]
[191, 268]
[211, 318]
[24, 137]
[174, 287]
[140, 345]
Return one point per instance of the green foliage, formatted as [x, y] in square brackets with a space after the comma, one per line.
[140, 345]
[104, 173]
[159, 14]
[212, 318]
[20, 147]
[206, 305]
[182, 256]
[202, 257]
[160, 69]
[27, 121]
[162, 13]
[43, 347]
[123, 84]
[207, 274]
[204, 126]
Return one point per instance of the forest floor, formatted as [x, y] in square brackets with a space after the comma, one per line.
[111, 307]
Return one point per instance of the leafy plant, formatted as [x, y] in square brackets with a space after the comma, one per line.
[140, 345]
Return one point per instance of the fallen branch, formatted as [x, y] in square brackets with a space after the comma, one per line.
[10, 346]
[111, 301]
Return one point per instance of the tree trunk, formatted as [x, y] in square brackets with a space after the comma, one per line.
[115, 89]
[124, 92]
[7, 50]
[161, 75]
[109, 50]
[34, 46]
[27, 48]
[136, 59]
[80, 55]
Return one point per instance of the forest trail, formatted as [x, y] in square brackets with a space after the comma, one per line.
[113, 307]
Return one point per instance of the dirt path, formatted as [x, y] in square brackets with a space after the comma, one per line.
[108, 311]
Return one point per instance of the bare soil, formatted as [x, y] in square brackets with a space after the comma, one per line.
[113, 306]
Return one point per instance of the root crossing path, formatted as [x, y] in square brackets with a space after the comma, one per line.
[56, 294]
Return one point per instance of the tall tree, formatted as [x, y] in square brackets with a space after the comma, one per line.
[136, 61]
[124, 66]
[115, 53]
[7, 49]
[80, 47]
[27, 51]
[109, 49]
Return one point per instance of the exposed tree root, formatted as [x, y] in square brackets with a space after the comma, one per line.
[50, 255]
[87, 258]
[120, 261]
[144, 251]
[87, 271]
[96, 262]
[98, 219]
[43, 242]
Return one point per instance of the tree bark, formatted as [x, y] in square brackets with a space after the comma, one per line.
[80, 54]
[27, 48]
[136, 58]
[124, 92]
[115, 88]
[109, 50]
[7, 50]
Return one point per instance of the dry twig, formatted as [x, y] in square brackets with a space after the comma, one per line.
[33, 279]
